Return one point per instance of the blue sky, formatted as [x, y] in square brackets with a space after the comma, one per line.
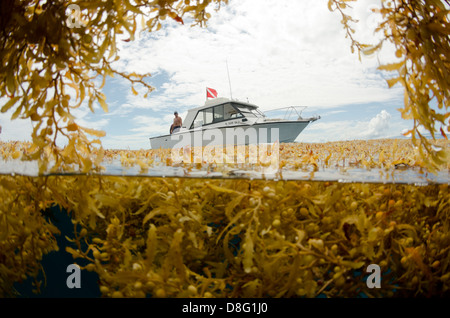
[279, 53]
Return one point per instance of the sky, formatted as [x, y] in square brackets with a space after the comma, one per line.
[275, 53]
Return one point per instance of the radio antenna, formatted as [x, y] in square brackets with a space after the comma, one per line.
[229, 81]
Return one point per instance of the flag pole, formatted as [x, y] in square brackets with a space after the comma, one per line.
[229, 81]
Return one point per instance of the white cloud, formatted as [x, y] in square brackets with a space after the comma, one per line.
[378, 126]
[333, 112]
[279, 53]
[149, 125]
[19, 129]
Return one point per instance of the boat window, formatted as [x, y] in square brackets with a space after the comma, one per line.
[218, 113]
[208, 116]
[198, 121]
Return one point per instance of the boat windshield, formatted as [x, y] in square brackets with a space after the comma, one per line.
[249, 112]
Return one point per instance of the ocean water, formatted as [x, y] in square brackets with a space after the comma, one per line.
[401, 175]
[54, 264]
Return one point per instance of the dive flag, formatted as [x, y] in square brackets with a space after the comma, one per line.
[211, 93]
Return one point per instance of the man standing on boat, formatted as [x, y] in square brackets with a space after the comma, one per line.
[177, 122]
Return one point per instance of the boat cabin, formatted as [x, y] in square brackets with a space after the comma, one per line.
[220, 110]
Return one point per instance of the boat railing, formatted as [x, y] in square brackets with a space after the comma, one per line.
[286, 113]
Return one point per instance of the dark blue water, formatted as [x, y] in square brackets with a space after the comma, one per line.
[55, 266]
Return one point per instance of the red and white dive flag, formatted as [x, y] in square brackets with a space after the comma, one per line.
[211, 93]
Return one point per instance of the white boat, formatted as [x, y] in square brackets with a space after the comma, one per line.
[223, 121]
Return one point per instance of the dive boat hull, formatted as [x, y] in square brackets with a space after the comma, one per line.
[266, 132]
